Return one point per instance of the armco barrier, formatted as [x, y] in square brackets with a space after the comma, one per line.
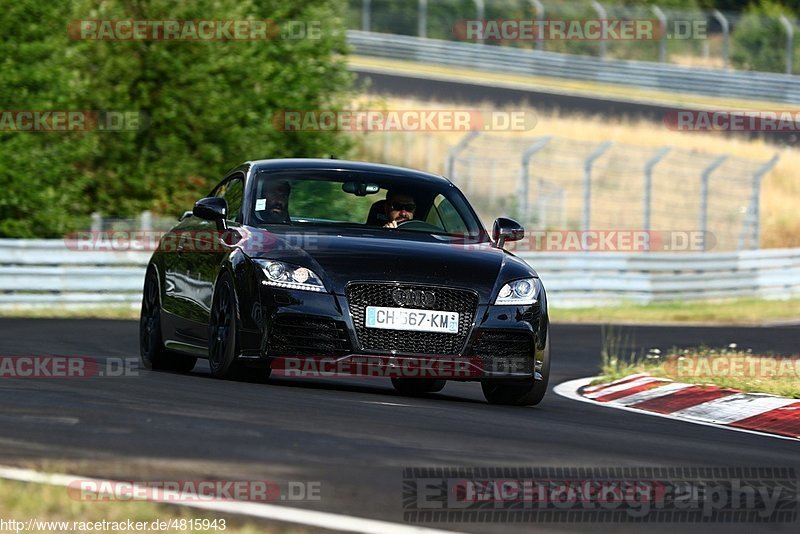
[648, 75]
[46, 273]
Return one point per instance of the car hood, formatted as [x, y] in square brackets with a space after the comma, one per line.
[386, 255]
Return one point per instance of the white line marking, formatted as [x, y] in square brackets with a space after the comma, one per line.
[734, 407]
[622, 387]
[570, 389]
[651, 394]
[388, 404]
[326, 520]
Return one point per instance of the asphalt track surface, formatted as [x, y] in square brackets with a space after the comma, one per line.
[352, 435]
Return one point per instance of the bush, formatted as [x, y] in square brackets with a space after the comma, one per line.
[759, 39]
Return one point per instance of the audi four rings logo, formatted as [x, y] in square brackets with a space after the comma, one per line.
[414, 297]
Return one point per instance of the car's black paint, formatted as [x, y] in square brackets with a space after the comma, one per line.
[195, 254]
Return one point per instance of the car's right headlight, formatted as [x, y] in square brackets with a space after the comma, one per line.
[519, 292]
[281, 274]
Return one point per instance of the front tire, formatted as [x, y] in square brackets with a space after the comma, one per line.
[528, 392]
[152, 353]
[223, 330]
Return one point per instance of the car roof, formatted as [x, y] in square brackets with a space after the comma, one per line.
[344, 165]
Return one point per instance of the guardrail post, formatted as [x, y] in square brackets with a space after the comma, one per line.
[726, 35]
[603, 15]
[704, 178]
[587, 182]
[539, 8]
[755, 202]
[422, 18]
[524, 176]
[787, 25]
[662, 42]
[366, 9]
[648, 187]
[97, 222]
[480, 11]
[453, 153]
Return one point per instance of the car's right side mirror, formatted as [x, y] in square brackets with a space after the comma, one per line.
[505, 229]
[212, 209]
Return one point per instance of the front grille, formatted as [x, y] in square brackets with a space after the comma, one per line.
[504, 352]
[308, 336]
[363, 294]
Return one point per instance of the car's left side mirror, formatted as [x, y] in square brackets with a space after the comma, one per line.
[505, 229]
[212, 209]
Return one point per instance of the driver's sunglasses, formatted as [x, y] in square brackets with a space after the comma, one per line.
[403, 206]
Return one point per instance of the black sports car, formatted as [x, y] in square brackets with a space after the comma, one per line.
[338, 266]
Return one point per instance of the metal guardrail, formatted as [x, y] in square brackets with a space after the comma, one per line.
[647, 75]
[46, 273]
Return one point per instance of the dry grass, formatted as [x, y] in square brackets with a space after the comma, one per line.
[780, 223]
[728, 367]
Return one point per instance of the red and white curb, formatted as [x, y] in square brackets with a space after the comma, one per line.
[732, 409]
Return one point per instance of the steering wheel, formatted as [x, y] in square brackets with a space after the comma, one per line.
[418, 225]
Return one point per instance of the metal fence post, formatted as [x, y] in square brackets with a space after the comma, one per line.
[755, 202]
[648, 187]
[704, 178]
[524, 176]
[662, 42]
[480, 12]
[539, 8]
[587, 182]
[97, 222]
[603, 15]
[453, 153]
[726, 35]
[787, 25]
[366, 8]
[422, 18]
[146, 221]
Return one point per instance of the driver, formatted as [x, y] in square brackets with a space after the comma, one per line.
[400, 207]
[276, 204]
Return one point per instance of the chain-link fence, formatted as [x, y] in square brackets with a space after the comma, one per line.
[698, 37]
[557, 184]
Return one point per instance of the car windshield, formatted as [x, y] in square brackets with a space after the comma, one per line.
[362, 199]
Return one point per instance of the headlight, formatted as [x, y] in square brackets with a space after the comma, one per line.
[280, 274]
[519, 292]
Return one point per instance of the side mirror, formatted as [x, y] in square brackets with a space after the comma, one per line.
[505, 229]
[212, 209]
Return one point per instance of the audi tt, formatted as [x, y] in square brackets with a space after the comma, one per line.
[301, 263]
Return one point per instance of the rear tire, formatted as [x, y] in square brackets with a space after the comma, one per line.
[416, 386]
[152, 353]
[528, 392]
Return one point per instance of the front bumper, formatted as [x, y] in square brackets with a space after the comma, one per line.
[304, 333]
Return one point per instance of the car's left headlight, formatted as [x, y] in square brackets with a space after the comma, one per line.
[519, 292]
[280, 274]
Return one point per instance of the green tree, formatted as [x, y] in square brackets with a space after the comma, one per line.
[759, 39]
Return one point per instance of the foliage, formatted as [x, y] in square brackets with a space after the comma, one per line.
[759, 40]
[204, 106]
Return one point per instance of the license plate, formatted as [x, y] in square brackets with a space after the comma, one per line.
[411, 319]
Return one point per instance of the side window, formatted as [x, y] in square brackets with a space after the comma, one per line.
[444, 214]
[233, 192]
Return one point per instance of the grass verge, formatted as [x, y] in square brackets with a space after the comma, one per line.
[22, 502]
[738, 311]
[729, 367]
